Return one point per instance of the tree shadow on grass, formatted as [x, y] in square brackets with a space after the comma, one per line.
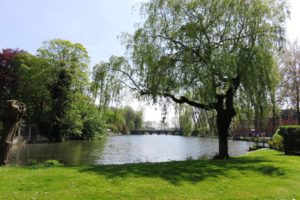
[193, 171]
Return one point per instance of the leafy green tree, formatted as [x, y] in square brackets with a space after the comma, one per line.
[204, 53]
[122, 120]
[92, 122]
[71, 57]
[115, 120]
[34, 76]
[61, 103]
[83, 119]
[69, 63]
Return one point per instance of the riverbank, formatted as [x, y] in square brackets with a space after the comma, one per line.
[263, 174]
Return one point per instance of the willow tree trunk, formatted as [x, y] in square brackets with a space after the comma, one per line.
[224, 119]
[225, 114]
[14, 111]
[223, 126]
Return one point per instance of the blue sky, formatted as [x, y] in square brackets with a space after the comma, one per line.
[96, 24]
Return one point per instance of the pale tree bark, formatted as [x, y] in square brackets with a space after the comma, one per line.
[14, 111]
[297, 104]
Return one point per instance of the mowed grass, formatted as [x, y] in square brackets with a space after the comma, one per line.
[264, 174]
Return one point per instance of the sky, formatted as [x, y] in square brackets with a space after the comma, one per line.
[96, 24]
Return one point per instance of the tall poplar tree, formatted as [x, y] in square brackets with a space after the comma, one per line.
[290, 76]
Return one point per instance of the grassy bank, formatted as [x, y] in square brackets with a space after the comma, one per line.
[264, 174]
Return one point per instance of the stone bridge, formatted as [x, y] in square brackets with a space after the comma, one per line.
[155, 131]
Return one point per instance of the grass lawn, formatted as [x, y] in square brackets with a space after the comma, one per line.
[264, 174]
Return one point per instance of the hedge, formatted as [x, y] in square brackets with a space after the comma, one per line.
[291, 139]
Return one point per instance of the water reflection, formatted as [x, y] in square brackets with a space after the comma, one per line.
[124, 149]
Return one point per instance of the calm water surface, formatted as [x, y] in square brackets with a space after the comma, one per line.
[124, 149]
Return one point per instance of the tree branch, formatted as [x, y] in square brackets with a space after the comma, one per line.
[180, 100]
[185, 100]
[136, 87]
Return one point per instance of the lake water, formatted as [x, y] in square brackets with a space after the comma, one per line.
[124, 149]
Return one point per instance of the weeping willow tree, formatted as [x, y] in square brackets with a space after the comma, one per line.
[204, 122]
[206, 53]
[106, 86]
[185, 119]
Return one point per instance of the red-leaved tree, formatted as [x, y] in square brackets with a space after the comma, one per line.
[8, 78]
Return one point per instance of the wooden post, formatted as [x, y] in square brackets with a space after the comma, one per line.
[14, 111]
[29, 133]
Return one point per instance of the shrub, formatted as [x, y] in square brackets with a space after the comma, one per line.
[52, 163]
[291, 139]
[253, 148]
[276, 142]
[32, 162]
[47, 163]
